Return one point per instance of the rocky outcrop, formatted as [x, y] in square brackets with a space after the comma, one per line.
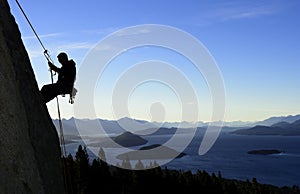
[29, 146]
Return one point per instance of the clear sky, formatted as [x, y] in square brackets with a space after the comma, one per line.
[256, 45]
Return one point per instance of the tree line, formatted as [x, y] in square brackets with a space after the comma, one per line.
[98, 177]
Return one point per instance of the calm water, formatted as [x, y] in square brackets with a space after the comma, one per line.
[229, 156]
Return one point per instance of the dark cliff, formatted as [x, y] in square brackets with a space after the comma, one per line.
[29, 146]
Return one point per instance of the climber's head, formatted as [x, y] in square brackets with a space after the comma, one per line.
[62, 58]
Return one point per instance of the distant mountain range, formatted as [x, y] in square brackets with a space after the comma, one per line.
[280, 128]
[273, 120]
[276, 125]
[128, 132]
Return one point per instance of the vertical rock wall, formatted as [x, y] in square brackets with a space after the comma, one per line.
[29, 146]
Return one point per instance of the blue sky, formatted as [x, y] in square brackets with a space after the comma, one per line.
[256, 45]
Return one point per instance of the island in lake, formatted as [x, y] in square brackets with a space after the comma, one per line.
[265, 152]
[151, 152]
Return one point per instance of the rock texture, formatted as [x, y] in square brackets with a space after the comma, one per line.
[29, 146]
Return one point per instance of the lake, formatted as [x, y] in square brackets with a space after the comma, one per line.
[229, 156]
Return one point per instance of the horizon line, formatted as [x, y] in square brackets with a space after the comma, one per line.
[204, 122]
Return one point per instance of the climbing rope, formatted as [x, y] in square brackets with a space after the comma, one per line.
[47, 55]
[61, 136]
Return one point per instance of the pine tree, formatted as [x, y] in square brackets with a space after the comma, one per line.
[139, 165]
[126, 163]
[101, 154]
[82, 169]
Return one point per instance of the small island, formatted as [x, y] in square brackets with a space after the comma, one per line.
[265, 152]
[158, 145]
[128, 139]
[151, 152]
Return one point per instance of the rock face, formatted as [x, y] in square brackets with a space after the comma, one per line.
[29, 146]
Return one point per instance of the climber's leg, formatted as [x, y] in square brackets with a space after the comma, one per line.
[49, 92]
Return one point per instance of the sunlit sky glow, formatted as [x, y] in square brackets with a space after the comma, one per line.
[256, 45]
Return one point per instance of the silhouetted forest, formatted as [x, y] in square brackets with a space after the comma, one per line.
[99, 177]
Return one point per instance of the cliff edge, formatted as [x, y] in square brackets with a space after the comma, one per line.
[29, 147]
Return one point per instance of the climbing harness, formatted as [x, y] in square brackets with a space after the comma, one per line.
[72, 95]
[62, 139]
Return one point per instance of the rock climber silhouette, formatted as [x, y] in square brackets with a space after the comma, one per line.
[65, 81]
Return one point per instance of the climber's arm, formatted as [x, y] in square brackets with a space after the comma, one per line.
[53, 67]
